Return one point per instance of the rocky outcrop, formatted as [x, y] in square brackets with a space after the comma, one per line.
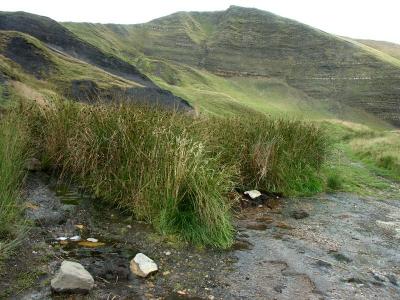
[60, 38]
[72, 278]
[28, 56]
[88, 91]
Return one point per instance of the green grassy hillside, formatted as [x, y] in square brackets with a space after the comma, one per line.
[391, 49]
[219, 60]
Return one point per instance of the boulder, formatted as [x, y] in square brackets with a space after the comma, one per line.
[72, 278]
[143, 266]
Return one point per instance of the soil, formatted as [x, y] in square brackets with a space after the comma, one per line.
[343, 247]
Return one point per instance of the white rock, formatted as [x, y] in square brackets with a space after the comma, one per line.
[142, 265]
[93, 240]
[72, 277]
[253, 194]
[62, 238]
[75, 238]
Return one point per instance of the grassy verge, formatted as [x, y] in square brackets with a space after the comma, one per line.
[364, 161]
[176, 171]
[381, 152]
[12, 157]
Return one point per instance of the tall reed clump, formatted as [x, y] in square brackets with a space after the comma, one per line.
[276, 155]
[174, 170]
[13, 142]
[149, 160]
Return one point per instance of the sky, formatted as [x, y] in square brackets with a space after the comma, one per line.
[369, 19]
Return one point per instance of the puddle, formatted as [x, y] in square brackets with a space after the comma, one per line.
[68, 195]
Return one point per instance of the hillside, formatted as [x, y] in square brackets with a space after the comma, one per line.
[224, 62]
[392, 49]
[38, 56]
[240, 44]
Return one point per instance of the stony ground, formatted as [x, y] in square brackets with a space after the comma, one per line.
[337, 246]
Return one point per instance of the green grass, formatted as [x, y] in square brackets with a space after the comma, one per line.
[363, 161]
[13, 140]
[381, 152]
[176, 171]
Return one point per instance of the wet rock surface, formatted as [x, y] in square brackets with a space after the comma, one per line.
[337, 252]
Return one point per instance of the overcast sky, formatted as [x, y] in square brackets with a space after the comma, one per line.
[370, 19]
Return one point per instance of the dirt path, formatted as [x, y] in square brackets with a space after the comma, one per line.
[346, 248]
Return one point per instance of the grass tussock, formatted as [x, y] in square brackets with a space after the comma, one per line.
[275, 155]
[13, 140]
[173, 170]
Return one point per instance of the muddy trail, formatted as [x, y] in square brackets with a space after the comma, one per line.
[337, 246]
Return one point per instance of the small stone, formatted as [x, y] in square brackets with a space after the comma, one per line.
[256, 226]
[265, 219]
[253, 194]
[143, 266]
[283, 225]
[167, 253]
[72, 278]
[62, 238]
[300, 214]
[33, 165]
[92, 240]
[242, 245]
[75, 238]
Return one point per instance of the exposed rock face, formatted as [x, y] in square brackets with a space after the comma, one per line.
[143, 266]
[89, 91]
[72, 278]
[28, 56]
[84, 90]
[57, 36]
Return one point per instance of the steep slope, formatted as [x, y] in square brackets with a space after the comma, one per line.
[60, 38]
[75, 67]
[30, 68]
[250, 43]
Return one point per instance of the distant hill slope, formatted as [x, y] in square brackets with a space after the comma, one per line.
[224, 62]
[390, 48]
[242, 43]
[40, 52]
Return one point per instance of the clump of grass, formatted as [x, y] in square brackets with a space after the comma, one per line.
[13, 141]
[277, 155]
[149, 160]
[174, 170]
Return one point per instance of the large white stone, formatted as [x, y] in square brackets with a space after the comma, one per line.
[253, 194]
[142, 265]
[72, 277]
